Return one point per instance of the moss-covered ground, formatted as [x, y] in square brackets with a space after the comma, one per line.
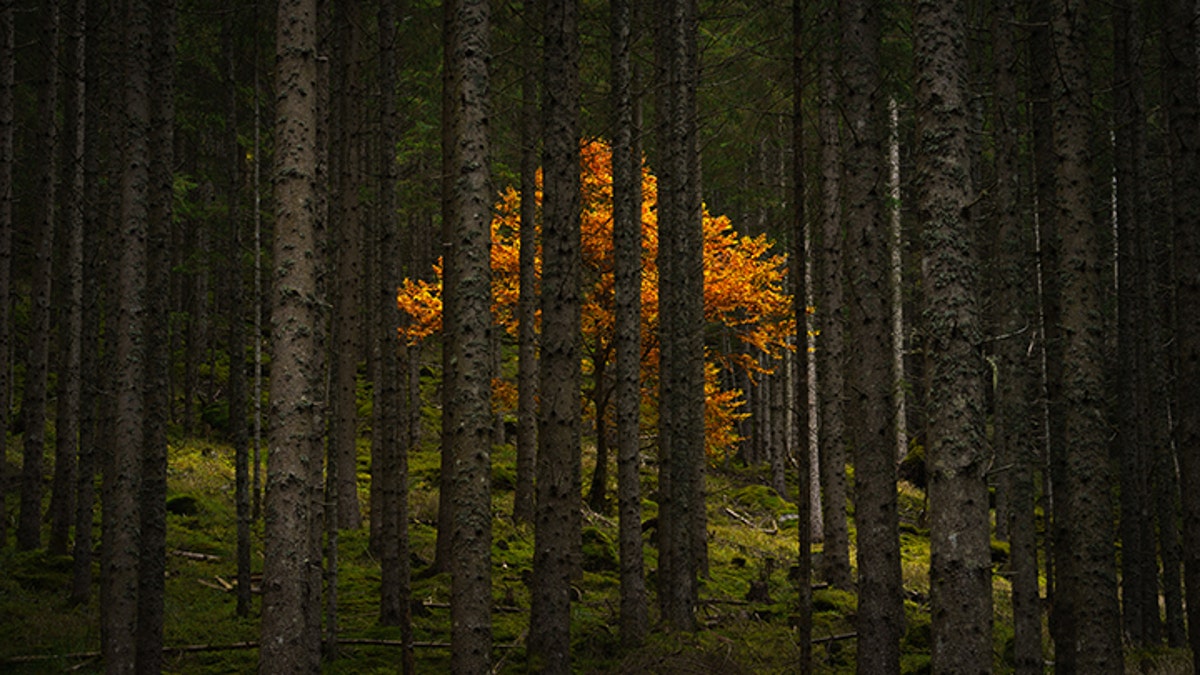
[752, 537]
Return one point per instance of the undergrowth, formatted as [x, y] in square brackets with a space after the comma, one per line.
[752, 538]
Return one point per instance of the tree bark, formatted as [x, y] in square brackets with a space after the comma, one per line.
[390, 436]
[33, 403]
[122, 513]
[346, 352]
[527, 349]
[1140, 620]
[1083, 502]
[627, 289]
[557, 521]
[69, 289]
[295, 385]
[681, 318]
[235, 292]
[960, 555]
[1183, 114]
[835, 557]
[8, 52]
[803, 384]
[152, 558]
[471, 328]
[869, 377]
[1013, 318]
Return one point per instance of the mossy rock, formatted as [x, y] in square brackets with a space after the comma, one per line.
[834, 600]
[599, 552]
[504, 476]
[912, 467]
[183, 505]
[760, 498]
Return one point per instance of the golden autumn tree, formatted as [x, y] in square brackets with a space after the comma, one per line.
[743, 292]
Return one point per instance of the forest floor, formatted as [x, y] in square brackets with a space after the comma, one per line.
[752, 537]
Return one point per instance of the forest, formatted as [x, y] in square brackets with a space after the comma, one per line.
[600, 336]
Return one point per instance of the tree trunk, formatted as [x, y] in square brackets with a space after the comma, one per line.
[1139, 564]
[557, 523]
[69, 290]
[346, 351]
[1084, 502]
[390, 436]
[960, 569]
[1012, 318]
[450, 161]
[835, 557]
[92, 375]
[527, 350]
[869, 375]
[803, 385]
[681, 320]
[8, 52]
[1183, 114]
[152, 558]
[122, 517]
[627, 289]
[235, 292]
[471, 327]
[287, 643]
[33, 404]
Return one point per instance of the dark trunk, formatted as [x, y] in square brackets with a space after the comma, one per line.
[33, 403]
[1083, 504]
[123, 475]
[627, 253]
[557, 522]
[869, 373]
[288, 643]
[69, 290]
[960, 568]
[835, 557]
[1183, 114]
[527, 351]
[471, 327]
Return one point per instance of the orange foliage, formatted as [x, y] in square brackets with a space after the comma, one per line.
[743, 289]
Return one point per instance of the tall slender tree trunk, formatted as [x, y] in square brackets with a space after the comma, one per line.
[557, 522]
[33, 404]
[396, 360]
[69, 290]
[8, 52]
[681, 325]
[869, 375]
[1013, 317]
[235, 292]
[830, 312]
[1084, 503]
[527, 303]
[152, 558]
[346, 351]
[287, 641]
[803, 384]
[471, 327]
[123, 478]
[960, 568]
[96, 238]
[627, 289]
[1139, 561]
[450, 161]
[1183, 115]
[1041, 60]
